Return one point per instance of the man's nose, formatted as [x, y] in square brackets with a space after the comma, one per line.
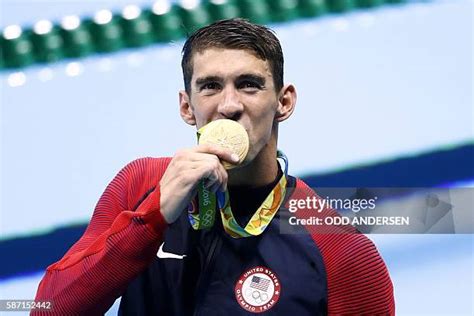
[230, 105]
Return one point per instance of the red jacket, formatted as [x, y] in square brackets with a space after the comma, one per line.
[127, 228]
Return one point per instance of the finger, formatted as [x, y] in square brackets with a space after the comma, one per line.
[215, 187]
[211, 182]
[218, 176]
[219, 151]
[208, 168]
[201, 157]
[223, 176]
[221, 183]
[209, 185]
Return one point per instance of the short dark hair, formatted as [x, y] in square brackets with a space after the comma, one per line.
[235, 33]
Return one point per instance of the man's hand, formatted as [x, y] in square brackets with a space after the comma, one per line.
[178, 186]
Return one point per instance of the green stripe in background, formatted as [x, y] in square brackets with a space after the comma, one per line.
[135, 27]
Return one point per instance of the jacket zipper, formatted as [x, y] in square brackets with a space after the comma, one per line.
[203, 280]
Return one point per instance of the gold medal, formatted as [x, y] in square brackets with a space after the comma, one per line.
[228, 134]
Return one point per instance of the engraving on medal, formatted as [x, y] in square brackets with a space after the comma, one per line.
[228, 134]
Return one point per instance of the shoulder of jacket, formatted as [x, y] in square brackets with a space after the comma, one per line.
[147, 165]
[141, 175]
[341, 242]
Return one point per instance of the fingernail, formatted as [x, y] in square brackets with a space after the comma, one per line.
[235, 158]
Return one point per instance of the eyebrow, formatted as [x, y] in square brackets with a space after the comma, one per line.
[252, 77]
[203, 80]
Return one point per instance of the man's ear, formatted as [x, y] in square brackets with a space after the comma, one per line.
[185, 108]
[286, 102]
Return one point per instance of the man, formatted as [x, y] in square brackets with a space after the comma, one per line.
[141, 245]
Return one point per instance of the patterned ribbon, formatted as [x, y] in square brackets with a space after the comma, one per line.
[203, 217]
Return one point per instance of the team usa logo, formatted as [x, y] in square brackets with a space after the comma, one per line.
[257, 290]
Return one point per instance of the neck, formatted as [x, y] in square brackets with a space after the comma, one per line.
[261, 171]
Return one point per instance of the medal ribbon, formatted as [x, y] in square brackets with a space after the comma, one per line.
[203, 218]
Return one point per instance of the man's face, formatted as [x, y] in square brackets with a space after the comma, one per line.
[234, 84]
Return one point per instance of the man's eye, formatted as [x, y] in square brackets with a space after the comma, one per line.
[249, 85]
[210, 86]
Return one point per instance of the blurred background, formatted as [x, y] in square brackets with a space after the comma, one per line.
[384, 100]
